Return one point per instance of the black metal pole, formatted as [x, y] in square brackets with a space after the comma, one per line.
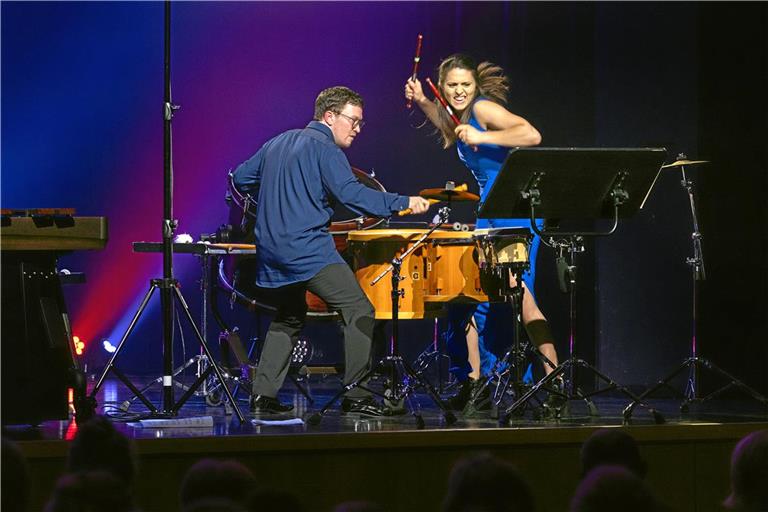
[394, 344]
[699, 274]
[166, 299]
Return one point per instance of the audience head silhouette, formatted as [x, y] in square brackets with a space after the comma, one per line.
[92, 491]
[475, 482]
[612, 488]
[98, 446]
[749, 474]
[611, 446]
[210, 479]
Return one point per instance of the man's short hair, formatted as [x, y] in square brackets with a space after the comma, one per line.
[335, 99]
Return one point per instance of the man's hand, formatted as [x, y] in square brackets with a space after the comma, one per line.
[418, 204]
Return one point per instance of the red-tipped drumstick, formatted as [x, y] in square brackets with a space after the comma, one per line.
[443, 102]
[416, 60]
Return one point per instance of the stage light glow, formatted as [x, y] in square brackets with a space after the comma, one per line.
[78, 344]
[108, 346]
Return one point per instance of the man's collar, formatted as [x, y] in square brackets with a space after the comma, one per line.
[321, 127]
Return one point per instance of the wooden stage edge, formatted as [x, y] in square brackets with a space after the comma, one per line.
[447, 438]
[688, 464]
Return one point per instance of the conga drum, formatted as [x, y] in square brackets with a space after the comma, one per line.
[372, 252]
[453, 274]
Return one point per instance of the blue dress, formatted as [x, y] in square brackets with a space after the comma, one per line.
[494, 325]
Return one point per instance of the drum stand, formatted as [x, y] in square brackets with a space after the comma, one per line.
[695, 363]
[433, 354]
[509, 370]
[403, 380]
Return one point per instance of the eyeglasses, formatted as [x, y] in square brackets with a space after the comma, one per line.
[356, 123]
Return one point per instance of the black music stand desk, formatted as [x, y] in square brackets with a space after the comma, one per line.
[573, 183]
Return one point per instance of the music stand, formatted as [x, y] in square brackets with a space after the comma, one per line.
[573, 183]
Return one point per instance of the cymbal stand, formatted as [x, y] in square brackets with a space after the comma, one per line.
[403, 380]
[694, 363]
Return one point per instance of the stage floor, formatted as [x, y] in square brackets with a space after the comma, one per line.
[392, 462]
[197, 417]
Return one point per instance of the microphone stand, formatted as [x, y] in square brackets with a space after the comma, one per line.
[168, 285]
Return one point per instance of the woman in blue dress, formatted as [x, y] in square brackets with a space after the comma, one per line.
[478, 96]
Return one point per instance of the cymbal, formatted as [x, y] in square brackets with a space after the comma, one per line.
[444, 194]
[678, 163]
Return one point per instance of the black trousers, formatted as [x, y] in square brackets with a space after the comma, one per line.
[338, 287]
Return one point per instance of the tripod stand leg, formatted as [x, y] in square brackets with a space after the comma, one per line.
[211, 361]
[136, 393]
[660, 384]
[189, 391]
[450, 418]
[413, 406]
[591, 407]
[317, 417]
[142, 391]
[733, 382]
[657, 416]
[525, 398]
[110, 364]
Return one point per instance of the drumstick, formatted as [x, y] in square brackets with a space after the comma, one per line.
[443, 102]
[416, 60]
[409, 211]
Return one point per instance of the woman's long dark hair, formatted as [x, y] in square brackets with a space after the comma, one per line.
[491, 84]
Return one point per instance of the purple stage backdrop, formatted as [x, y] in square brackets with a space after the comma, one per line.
[82, 125]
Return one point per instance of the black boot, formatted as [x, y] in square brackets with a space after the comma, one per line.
[460, 399]
[479, 398]
[556, 404]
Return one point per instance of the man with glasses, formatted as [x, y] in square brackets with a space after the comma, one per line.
[298, 177]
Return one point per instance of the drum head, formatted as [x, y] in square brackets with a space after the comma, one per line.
[509, 232]
[344, 220]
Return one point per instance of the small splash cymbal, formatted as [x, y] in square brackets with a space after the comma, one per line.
[679, 163]
[445, 194]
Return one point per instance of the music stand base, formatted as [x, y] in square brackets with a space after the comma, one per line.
[560, 370]
[691, 395]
